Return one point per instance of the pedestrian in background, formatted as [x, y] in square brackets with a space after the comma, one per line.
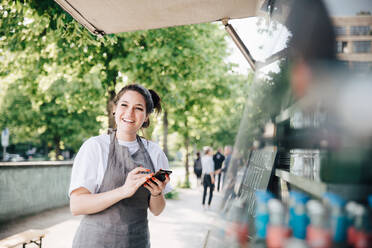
[227, 152]
[208, 174]
[110, 180]
[198, 168]
[218, 159]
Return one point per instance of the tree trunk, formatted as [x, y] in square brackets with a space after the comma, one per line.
[109, 109]
[111, 80]
[187, 144]
[57, 141]
[165, 133]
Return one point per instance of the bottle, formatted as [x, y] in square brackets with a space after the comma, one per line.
[370, 215]
[262, 213]
[300, 220]
[292, 204]
[277, 230]
[261, 218]
[351, 231]
[362, 239]
[338, 219]
[318, 234]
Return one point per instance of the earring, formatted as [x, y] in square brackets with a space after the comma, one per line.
[113, 113]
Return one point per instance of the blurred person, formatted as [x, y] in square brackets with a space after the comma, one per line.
[343, 94]
[218, 159]
[198, 168]
[227, 152]
[308, 19]
[208, 172]
[110, 181]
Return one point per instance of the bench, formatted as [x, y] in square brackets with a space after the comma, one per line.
[23, 238]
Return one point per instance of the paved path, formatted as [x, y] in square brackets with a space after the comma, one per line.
[182, 224]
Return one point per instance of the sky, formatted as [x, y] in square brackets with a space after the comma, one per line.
[348, 7]
[257, 43]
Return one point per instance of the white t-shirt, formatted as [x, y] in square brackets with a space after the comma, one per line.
[207, 164]
[90, 162]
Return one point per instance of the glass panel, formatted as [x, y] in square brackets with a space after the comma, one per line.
[362, 66]
[359, 30]
[339, 30]
[255, 31]
[294, 44]
[267, 37]
[361, 46]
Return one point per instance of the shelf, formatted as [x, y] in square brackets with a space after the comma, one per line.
[354, 192]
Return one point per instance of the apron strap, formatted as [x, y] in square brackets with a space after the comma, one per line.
[143, 149]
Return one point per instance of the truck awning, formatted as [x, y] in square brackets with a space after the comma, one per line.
[116, 16]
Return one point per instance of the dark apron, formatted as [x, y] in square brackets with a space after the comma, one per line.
[124, 224]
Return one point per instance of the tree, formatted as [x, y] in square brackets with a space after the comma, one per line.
[59, 67]
[188, 72]
[49, 96]
[55, 112]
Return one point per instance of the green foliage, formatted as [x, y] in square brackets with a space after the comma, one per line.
[56, 77]
[173, 195]
[49, 95]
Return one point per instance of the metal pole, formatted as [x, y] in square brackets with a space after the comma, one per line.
[239, 43]
[4, 151]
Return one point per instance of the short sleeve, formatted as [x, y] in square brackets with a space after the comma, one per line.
[159, 160]
[85, 167]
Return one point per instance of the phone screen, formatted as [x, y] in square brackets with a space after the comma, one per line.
[160, 174]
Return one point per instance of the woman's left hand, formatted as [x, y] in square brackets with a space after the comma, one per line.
[156, 188]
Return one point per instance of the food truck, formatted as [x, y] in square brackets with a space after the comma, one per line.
[300, 173]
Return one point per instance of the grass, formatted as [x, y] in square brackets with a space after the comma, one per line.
[174, 195]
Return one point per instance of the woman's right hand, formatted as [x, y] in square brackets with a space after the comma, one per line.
[134, 180]
[212, 179]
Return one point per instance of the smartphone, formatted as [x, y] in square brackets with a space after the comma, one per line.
[160, 174]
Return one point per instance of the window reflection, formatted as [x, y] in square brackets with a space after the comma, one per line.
[359, 30]
[361, 46]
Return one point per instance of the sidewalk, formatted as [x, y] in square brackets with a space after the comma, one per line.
[182, 224]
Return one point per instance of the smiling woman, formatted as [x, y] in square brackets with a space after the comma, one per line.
[110, 181]
[133, 105]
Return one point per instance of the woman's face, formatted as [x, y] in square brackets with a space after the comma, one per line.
[130, 112]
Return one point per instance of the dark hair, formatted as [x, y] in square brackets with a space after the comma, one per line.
[313, 36]
[152, 99]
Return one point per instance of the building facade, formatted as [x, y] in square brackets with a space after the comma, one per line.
[354, 40]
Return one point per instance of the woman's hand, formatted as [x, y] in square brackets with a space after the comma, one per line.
[212, 179]
[134, 180]
[82, 201]
[156, 188]
[157, 200]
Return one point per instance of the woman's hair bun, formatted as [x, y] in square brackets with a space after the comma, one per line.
[156, 100]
